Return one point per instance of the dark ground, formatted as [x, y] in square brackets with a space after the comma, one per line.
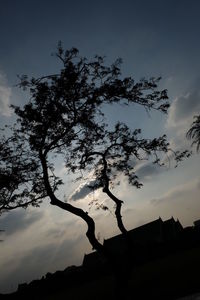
[171, 277]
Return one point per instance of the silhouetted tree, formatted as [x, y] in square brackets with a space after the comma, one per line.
[64, 109]
[63, 118]
[194, 132]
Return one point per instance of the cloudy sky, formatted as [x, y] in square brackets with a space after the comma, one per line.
[154, 38]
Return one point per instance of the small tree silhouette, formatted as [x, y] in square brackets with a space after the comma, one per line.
[194, 132]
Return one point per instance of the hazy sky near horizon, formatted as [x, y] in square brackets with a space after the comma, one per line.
[154, 38]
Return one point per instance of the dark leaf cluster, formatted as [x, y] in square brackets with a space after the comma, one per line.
[194, 132]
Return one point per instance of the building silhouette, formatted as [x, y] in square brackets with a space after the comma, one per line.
[148, 242]
[151, 240]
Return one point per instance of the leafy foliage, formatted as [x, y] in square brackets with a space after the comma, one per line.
[194, 132]
[21, 182]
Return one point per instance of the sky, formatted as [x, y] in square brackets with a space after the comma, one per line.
[154, 38]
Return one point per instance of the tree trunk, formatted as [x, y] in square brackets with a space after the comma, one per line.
[115, 263]
[117, 210]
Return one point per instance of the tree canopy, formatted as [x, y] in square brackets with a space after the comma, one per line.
[64, 117]
[19, 176]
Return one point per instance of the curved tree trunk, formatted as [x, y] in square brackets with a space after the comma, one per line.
[128, 257]
[115, 263]
[70, 208]
[118, 202]
[117, 210]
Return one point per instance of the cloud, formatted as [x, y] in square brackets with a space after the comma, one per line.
[19, 220]
[144, 170]
[147, 170]
[179, 194]
[82, 191]
[180, 116]
[183, 108]
[5, 94]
